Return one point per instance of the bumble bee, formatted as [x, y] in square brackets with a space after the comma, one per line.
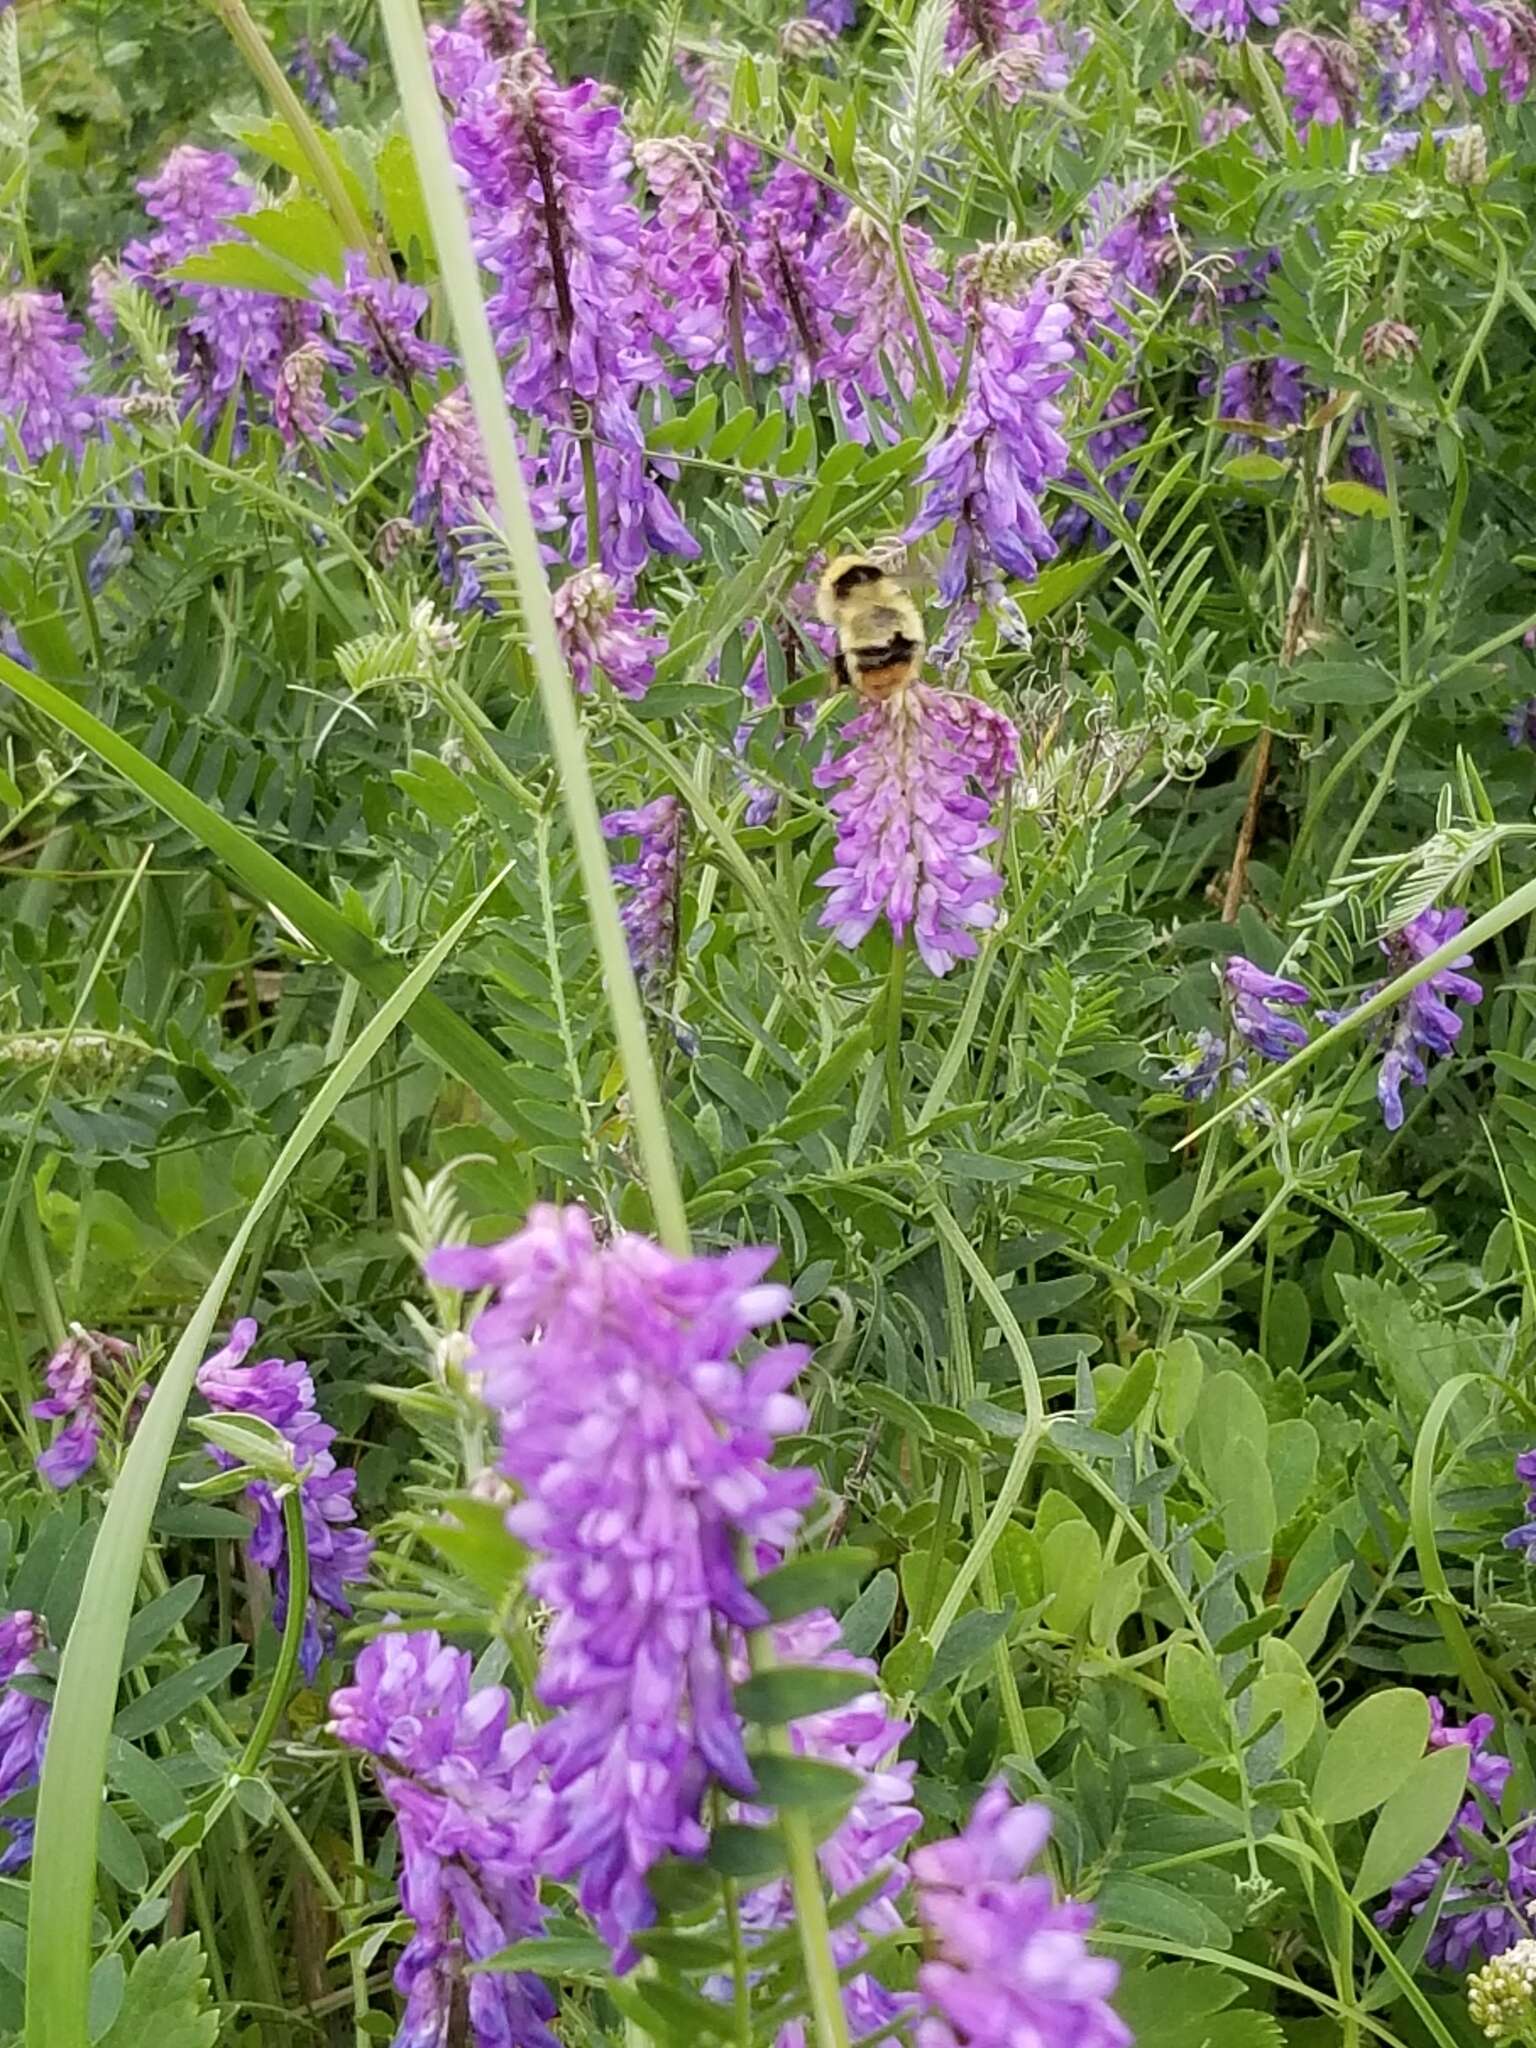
[879, 629]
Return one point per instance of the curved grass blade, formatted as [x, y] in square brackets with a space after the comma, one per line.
[74, 1768]
[455, 1044]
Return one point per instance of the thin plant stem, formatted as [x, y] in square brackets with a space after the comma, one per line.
[287, 1664]
[894, 989]
[270, 75]
[482, 375]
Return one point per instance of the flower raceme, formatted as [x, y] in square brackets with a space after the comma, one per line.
[456, 1770]
[912, 831]
[640, 1449]
[1254, 1016]
[282, 1394]
[42, 374]
[73, 1399]
[23, 1730]
[652, 882]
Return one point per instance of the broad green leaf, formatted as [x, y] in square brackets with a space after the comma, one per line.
[1124, 1405]
[1180, 1376]
[1070, 1558]
[1414, 1819]
[790, 1691]
[1293, 1452]
[1166, 2005]
[1234, 1461]
[1369, 1754]
[244, 266]
[1148, 1905]
[1288, 1325]
[907, 1666]
[302, 232]
[969, 1639]
[1196, 1702]
[1118, 1597]
[869, 1617]
[173, 1695]
[796, 1781]
[1307, 1636]
[1017, 1563]
[819, 1578]
[1360, 501]
[1254, 469]
[1058, 585]
[1285, 1687]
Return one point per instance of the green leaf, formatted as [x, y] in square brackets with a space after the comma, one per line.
[245, 267]
[74, 1764]
[797, 1781]
[907, 1666]
[1288, 1325]
[969, 1639]
[1311, 1628]
[818, 1578]
[458, 1046]
[400, 192]
[1414, 1819]
[173, 1695]
[119, 1854]
[1070, 1557]
[1254, 469]
[153, 1791]
[791, 1690]
[1234, 1462]
[166, 2001]
[301, 232]
[1056, 587]
[1165, 2005]
[1286, 1687]
[1196, 1701]
[752, 1855]
[869, 1617]
[1146, 1905]
[569, 1958]
[1125, 1404]
[1369, 1754]
[1360, 501]
[1019, 1568]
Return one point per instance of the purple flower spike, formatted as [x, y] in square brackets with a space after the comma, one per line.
[987, 473]
[1009, 1963]
[1524, 1538]
[641, 1451]
[1020, 51]
[23, 1730]
[862, 1737]
[42, 374]
[1230, 19]
[1424, 1023]
[300, 406]
[1520, 725]
[911, 832]
[1482, 1914]
[381, 319]
[1265, 395]
[1253, 992]
[1322, 77]
[654, 880]
[457, 1771]
[71, 1376]
[282, 1393]
[599, 630]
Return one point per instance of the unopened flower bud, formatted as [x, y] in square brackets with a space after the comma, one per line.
[804, 40]
[1501, 1997]
[1389, 341]
[393, 536]
[1466, 158]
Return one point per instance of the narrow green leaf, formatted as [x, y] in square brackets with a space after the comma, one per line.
[173, 1695]
[869, 1617]
[74, 1765]
[792, 1690]
[820, 1578]
[801, 1781]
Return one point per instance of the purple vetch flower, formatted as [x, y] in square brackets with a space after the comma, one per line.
[1424, 1022]
[196, 198]
[709, 96]
[1322, 77]
[1263, 397]
[23, 1730]
[1520, 725]
[454, 495]
[1482, 1914]
[694, 254]
[1253, 992]
[1133, 228]
[300, 407]
[381, 319]
[866, 298]
[282, 1394]
[600, 629]
[497, 24]
[1008, 1962]
[316, 70]
[1196, 1074]
[1524, 1538]
[986, 474]
[71, 1376]
[1424, 44]
[791, 298]
[862, 1737]
[1230, 19]
[833, 14]
[654, 880]
[911, 832]
[43, 371]
[457, 1770]
[641, 1451]
[1019, 50]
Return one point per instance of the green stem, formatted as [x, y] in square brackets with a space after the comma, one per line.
[482, 375]
[293, 1633]
[894, 989]
[1399, 547]
[270, 75]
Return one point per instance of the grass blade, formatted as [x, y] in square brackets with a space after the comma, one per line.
[69, 1801]
[455, 1044]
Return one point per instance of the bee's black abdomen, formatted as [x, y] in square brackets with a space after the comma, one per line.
[900, 647]
[840, 673]
[854, 577]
